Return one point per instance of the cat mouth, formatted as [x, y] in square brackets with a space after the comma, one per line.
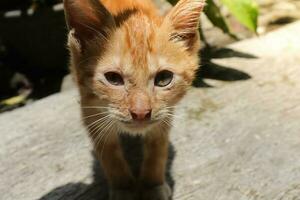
[138, 124]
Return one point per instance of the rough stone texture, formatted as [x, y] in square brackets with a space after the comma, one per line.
[237, 140]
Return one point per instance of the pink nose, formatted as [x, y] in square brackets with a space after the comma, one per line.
[140, 115]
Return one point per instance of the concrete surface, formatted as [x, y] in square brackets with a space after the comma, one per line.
[235, 141]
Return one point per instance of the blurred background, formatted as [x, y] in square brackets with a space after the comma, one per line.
[34, 57]
[237, 140]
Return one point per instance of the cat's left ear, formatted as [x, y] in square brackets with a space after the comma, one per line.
[88, 19]
[184, 19]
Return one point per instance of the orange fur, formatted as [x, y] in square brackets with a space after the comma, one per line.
[130, 38]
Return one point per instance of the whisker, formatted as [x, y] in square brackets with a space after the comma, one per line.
[102, 133]
[170, 122]
[93, 115]
[94, 107]
[103, 122]
[167, 107]
[97, 127]
[99, 135]
[105, 139]
[175, 116]
[167, 123]
[97, 121]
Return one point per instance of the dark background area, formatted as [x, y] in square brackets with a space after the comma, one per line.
[33, 45]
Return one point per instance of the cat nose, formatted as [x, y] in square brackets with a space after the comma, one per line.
[140, 115]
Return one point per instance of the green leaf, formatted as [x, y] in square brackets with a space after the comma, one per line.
[213, 13]
[245, 11]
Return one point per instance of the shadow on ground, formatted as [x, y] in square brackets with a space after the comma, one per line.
[210, 70]
[98, 190]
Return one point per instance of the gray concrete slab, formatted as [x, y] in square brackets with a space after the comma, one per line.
[237, 140]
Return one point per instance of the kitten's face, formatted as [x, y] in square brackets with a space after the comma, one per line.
[142, 75]
[141, 72]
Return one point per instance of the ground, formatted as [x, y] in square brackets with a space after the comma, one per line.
[234, 140]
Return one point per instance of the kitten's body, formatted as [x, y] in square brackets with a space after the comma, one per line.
[132, 66]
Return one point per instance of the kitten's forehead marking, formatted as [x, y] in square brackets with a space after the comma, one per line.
[135, 55]
[139, 37]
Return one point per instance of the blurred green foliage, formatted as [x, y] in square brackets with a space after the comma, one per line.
[245, 11]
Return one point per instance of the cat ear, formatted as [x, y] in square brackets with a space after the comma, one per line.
[184, 19]
[88, 19]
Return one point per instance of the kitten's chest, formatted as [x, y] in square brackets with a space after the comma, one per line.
[132, 147]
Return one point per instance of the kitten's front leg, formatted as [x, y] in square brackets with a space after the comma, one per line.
[116, 168]
[152, 175]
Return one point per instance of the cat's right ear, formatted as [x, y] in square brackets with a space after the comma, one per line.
[88, 19]
[184, 19]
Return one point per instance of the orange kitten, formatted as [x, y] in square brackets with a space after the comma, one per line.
[132, 67]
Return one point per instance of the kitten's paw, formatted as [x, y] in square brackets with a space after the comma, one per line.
[162, 192]
[122, 195]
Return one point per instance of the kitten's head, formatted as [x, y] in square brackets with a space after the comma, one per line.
[135, 63]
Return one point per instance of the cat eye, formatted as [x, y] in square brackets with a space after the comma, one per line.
[163, 78]
[114, 78]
